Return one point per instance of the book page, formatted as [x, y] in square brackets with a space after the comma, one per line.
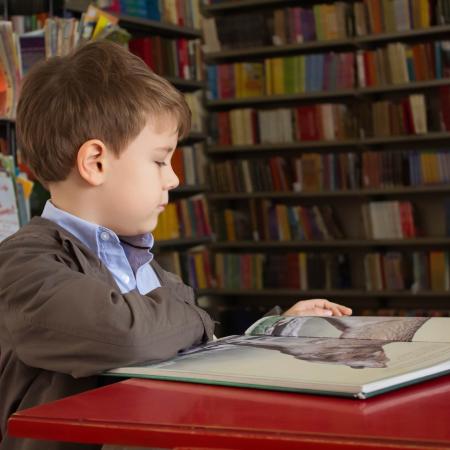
[402, 329]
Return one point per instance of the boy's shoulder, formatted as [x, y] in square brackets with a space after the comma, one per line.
[37, 231]
[38, 238]
[39, 235]
[43, 250]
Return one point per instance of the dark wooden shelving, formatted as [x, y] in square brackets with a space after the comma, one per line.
[185, 85]
[181, 243]
[279, 99]
[194, 136]
[390, 191]
[187, 189]
[228, 150]
[420, 33]
[325, 293]
[243, 4]
[280, 50]
[324, 95]
[346, 244]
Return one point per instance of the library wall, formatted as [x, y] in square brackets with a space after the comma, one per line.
[329, 140]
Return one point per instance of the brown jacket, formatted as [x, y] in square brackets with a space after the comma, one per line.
[63, 320]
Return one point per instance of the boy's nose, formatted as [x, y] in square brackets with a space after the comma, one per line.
[172, 180]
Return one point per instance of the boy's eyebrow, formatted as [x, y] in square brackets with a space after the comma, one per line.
[163, 149]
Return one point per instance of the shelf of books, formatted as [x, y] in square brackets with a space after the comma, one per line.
[156, 18]
[18, 193]
[329, 142]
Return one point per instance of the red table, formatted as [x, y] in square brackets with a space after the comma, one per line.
[170, 414]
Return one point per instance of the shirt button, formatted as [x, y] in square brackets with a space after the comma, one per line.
[104, 236]
[126, 279]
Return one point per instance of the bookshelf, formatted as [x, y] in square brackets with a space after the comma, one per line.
[140, 24]
[429, 198]
[19, 19]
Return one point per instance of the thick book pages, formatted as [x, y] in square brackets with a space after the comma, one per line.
[346, 356]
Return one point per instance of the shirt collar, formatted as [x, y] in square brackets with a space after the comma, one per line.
[87, 232]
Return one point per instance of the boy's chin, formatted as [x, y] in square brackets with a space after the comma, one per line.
[135, 228]
[138, 230]
[149, 227]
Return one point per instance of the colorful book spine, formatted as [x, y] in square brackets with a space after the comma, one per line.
[314, 172]
[186, 218]
[301, 271]
[417, 271]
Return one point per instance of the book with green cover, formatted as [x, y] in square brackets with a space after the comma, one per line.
[345, 356]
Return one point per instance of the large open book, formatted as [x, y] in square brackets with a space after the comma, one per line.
[348, 356]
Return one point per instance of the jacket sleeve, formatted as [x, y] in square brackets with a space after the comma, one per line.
[69, 321]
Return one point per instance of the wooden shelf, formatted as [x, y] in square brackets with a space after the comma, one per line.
[279, 99]
[361, 244]
[335, 294]
[391, 191]
[411, 86]
[243, 4]
[194, 136]
[182, 242]
[280, 50]
[308, 96]
[187, 189]
[352, 43]
[185, 85]
[407, 139]
[420, 33]
[139, 23]
[297, 145]
[328, 145]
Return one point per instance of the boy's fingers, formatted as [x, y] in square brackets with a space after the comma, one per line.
[317, 307]
[317, 311]
[337, 309]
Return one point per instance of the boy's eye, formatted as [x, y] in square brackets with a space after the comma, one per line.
[160, 163]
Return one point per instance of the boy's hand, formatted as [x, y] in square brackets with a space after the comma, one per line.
[317, 307]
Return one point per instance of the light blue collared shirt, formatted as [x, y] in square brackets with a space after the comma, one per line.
[127, 258]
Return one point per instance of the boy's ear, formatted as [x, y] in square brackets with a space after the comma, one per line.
[92, 162]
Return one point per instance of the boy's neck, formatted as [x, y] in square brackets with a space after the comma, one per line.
[75, 200]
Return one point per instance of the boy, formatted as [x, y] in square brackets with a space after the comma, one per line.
[80, 292]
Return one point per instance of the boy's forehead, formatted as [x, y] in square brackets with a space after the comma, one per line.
[164, 123]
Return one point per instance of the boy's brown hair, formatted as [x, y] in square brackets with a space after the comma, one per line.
[100, 91]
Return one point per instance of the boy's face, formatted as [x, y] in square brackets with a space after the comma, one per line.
[137, 185]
